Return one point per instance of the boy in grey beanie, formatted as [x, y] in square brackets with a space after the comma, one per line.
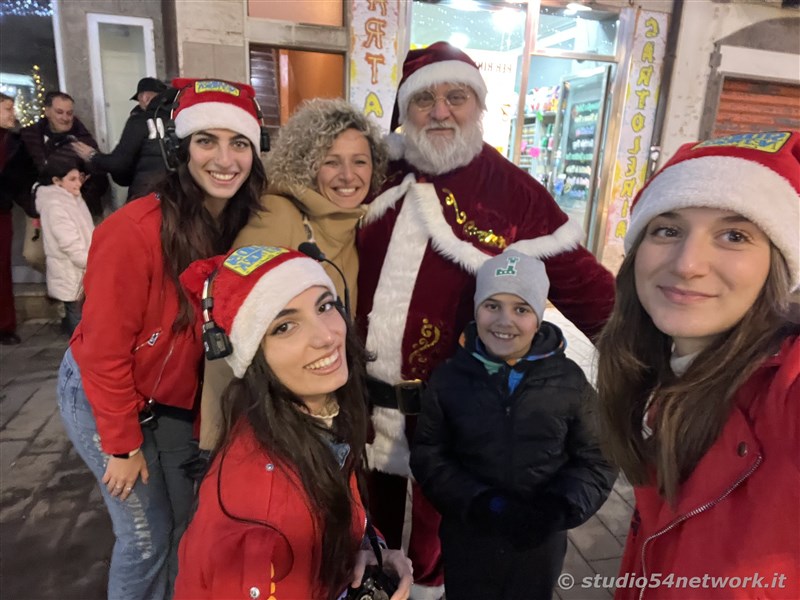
[502, 449]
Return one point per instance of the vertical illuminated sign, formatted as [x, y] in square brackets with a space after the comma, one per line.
[641, 98]
[373, 57]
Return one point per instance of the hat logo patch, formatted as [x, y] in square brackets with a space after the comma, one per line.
[511, 268]
[246, 260]
[223, 87]
[768, 141]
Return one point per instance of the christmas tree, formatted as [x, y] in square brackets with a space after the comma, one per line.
[30, 105]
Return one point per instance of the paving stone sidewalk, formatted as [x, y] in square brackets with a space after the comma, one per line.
[55, 534]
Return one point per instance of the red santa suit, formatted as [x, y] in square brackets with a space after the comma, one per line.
[422, 242]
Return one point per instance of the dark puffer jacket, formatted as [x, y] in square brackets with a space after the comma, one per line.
[136, 161]
[476, 436]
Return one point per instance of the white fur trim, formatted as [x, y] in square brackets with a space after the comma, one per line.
[396, 143]
[749, 188]
[567, 237]
[426, 592]
[446, 71]
[387, 322]
[423, 197]
[378, 207]
[389, 452]
[269, 296]
[218, 115]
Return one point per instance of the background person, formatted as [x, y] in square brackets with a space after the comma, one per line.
[699, 369]
[135, 358]
[53, 135]
[450, 202]
[136, 161]
[10, 191]
[328, 157]
[502, 448]
[67, 228]
[280, 512]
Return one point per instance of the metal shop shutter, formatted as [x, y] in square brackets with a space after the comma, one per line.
[750, 105]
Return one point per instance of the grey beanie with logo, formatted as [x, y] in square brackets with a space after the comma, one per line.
[513, 273]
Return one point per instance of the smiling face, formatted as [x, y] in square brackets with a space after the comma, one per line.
[506, 325]
[71, 182]
[60, 115]
[446, 134]
[346, 171]
[305, 347]
[220, 161]
[698, 271]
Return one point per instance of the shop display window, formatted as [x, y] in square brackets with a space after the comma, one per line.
[573, 27]
[563, 129]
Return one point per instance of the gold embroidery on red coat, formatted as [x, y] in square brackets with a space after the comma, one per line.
[429, 337]
[488, 237]
[272, 588]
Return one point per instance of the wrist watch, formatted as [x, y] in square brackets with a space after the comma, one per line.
[127, 454]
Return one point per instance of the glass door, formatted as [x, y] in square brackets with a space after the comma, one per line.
[578, 135]
[121, 51]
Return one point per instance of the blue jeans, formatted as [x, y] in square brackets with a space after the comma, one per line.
[149, 524]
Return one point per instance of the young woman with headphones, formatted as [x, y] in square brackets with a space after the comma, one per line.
[128, 383]
[280, 514]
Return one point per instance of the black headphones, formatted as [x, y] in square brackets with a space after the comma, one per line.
[216, 342]
[170, 142]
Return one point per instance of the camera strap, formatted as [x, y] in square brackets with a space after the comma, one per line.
[375, 543]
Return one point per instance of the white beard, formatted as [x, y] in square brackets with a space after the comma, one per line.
[442, 155]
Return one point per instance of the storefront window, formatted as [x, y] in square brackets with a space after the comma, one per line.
[493, 35]
[577, 28]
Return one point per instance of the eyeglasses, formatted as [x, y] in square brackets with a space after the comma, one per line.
[425, 101]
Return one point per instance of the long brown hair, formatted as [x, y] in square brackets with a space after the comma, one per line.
[189, 232]
[633, 366]
[297, 441]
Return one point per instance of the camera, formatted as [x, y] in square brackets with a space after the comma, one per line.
[375, 585]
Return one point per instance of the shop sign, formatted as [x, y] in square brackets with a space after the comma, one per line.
[641, 98]
[373, 57]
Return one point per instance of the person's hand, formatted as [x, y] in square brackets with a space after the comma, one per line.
[394, 561]
[121, 474]
[85, 151]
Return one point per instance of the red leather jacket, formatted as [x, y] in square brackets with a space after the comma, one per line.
[221, 557]
[124, 344]
[738, 515]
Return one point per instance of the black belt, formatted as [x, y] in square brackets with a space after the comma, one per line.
[405, 396]
[153, 410]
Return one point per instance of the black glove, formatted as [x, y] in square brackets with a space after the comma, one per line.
[197, 464]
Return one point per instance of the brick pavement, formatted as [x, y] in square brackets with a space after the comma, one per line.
[55, 535]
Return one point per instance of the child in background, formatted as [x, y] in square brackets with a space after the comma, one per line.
[67, 229]
[502, 448]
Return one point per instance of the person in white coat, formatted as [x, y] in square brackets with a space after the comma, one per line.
[67, 229]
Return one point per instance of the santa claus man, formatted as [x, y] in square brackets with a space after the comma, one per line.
[450, 202]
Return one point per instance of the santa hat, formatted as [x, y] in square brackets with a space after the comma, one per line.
[250, 286]
[216, 104]
[438, 63]
[754, 174]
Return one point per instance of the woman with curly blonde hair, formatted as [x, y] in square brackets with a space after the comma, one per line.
[327, 159]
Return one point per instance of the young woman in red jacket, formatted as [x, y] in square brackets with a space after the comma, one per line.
[699, 374]
[128, 382]
[279, 512]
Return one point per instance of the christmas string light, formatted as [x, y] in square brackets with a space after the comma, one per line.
[26, 8]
